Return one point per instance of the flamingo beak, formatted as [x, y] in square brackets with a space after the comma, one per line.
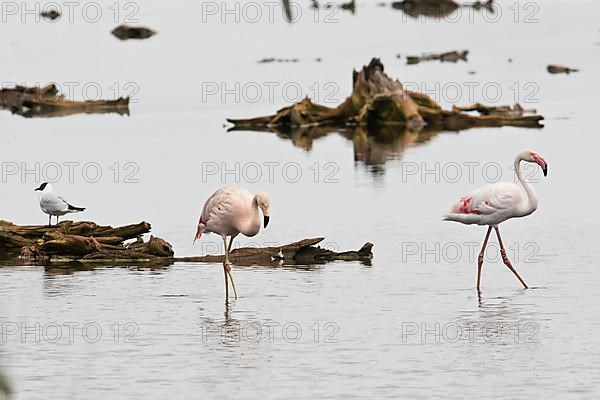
[266, 218]
[198, 234]
[542, 163]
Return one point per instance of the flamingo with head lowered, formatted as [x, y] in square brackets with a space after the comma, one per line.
[230, 211]
[495, 203]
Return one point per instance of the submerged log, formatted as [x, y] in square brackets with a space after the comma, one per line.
[450, 56]
[437, 8]
[268, 60]
[88, 242]
[514, 111]
[300, 252]
[81, 241]
[51, 14]
[125, 32]
[47, 102]
[560, 69]
[429, 8]
[378, 100]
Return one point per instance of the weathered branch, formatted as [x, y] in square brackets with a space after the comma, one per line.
[378, 100]
[81, 240]
[560, 69]
[126, 32]
[300, 252]
[89, 242]
[450, 56]
[48, 102]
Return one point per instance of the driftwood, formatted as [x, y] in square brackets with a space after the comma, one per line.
[87, 242]
[125, 32]
[450, 56]
[379, 100]
[47, 102]
[349, 6]
[514, 111]
[82, 241]
[267, 60]
[560, 69]
[437, 8]
[51, 14]
[300, 252]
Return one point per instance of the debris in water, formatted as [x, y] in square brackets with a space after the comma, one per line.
[82, 241]
[268, 60]
[450, 56]
[86, 241]
[560, 69]
[51, 14]
[300, 252]
[378, 100]
[350, 6]
[125, 32]
[47, 102]
[514, 111]
[437, 8]
[428, 8]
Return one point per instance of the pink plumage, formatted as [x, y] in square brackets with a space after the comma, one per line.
[230, 211]
[495, 203]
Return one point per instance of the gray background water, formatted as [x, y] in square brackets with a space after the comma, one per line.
[410, 324]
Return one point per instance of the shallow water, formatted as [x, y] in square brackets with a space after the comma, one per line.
[410, 324]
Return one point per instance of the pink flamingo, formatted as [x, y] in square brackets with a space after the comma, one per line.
[495, 203]
[230, 211]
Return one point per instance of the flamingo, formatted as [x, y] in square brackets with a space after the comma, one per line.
[230, 211]
[495, 203]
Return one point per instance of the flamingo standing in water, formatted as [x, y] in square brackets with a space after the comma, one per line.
[495, 203]
[230, 211]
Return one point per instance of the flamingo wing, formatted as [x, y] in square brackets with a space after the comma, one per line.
[485, 205]
[223, 210]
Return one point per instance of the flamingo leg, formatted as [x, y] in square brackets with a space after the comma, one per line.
[225, 265]
[481, 253]
[229, 268]
[506, 260]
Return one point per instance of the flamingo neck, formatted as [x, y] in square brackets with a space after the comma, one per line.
[532, 199]
[253, 223]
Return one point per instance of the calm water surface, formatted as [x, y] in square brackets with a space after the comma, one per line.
[408, 325]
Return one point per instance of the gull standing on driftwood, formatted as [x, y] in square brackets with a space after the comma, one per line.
[230, 211]
[52, 204]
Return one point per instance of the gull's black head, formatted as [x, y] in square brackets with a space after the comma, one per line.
[42, 187]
